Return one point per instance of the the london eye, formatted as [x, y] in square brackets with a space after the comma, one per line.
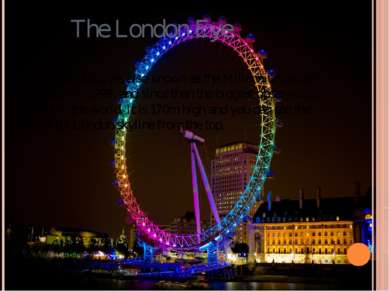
[225, 226]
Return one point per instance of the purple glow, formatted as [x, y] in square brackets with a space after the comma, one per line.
[195, 190]
[169, 240]
[206, 186]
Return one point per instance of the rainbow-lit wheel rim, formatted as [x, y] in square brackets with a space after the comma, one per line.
[253, 60]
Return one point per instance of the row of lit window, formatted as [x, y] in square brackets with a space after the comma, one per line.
[306, 251]
[290, 234]
[229, 148]
[224, 189]
[221, 161]
[227, 185]
[230, 177]
[313, 242]
[241, 166]
[319, 226]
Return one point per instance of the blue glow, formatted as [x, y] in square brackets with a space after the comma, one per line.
[248, 197]
[271, 73]
[250, 36]
[367, 211]
[204, 247]
[263, 52]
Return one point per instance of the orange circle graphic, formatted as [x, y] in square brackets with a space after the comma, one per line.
[358, 254]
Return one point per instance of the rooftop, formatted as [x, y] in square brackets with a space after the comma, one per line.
[287, 210]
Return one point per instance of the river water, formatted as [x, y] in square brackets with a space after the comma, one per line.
[100, 283]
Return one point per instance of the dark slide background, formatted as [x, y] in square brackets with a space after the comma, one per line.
[58, 165]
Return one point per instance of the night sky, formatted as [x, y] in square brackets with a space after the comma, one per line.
[61, 93]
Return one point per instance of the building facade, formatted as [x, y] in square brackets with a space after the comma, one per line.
[322, 242]
[230, 172]
[185, 224]
[67, 236]
[310, 231]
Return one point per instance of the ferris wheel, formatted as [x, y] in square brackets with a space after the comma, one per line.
[225, 226]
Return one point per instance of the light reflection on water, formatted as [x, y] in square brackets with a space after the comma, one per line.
[149, 285]
[267, 286]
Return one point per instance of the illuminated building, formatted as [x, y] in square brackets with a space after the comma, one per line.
[309, 231]
[64, 236]
[185, 224]
[230, 171]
